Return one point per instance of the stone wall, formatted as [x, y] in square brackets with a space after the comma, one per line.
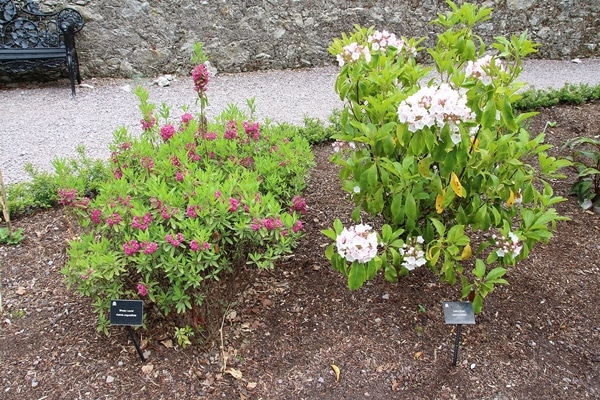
[128, 38]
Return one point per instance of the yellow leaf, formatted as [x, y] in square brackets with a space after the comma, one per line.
[439, 200]
[474, 143]
[456, 186]
[511, 199]
[423, 167]
[466, 253]
[236, 373]
[336, 370]
[147, 368]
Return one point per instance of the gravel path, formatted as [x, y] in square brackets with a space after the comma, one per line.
[39, 122]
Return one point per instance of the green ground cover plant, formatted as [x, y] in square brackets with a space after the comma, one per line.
[586, 159]
[440, 162]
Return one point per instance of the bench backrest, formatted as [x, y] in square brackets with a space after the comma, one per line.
[23, 25]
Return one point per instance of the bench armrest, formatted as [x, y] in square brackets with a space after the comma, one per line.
[70, 21]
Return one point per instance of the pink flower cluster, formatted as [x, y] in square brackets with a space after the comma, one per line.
[175, 240]
[210, 135]
[435, 106]
[192, 211]
[131, 247]
[149, 247]
[252, 130]
[233, 204]
[142, 290]
[200, 76]
[167, 132]
[195, 246]
[68, 197]
[113, 219]
[270, 224]
[231, 131]
[148, 122]
[96, 216]
[147, 162]
[297, 227]
[352, 53]
[186, 118]
[142, 222]
[299, 204]
[191, 148]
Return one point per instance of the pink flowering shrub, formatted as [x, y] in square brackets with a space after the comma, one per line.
[440, 157]
[190, 202]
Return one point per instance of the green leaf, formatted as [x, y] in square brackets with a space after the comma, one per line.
[391, 275]
[495, 274]
[439, 227]
[479, 270]
[397, 209]
[330, 233]
[410, 207]
[477, 303]
[357, 276]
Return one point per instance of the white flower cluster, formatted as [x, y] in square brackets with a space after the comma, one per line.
[435, 106]
[479, 69]
[381, 40]
[509, 245]
[357, 243]
[339, 145]
[352, 53]
[413, 253]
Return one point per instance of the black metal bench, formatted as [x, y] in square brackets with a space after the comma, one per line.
[30, 37]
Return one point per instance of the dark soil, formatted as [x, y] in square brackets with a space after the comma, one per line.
[538, 338]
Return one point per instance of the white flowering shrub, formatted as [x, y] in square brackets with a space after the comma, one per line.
[439, 159]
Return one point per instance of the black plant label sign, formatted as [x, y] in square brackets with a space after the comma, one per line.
[126, 312]
[459, 313]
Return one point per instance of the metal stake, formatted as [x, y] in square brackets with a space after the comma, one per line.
[135, 342]
[456, 343]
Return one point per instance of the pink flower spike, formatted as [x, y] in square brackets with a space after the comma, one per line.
[194, 246]
[200, 76]
[141, 288]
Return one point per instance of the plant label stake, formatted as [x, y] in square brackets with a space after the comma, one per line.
[458, 313]
[128, 313]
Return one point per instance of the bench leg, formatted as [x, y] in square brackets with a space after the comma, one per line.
[76, 65]
[72, 73]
